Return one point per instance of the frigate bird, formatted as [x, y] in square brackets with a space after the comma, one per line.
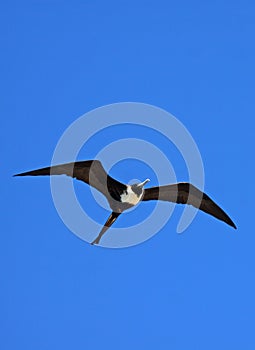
[122, 197]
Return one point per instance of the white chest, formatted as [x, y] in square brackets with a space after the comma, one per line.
[130, 197]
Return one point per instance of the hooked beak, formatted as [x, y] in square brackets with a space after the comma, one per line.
[143, 183]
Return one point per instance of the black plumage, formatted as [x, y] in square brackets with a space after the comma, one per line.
[122, 197]
[185, 193]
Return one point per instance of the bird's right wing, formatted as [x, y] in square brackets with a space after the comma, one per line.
[89, 171]
[186, 193]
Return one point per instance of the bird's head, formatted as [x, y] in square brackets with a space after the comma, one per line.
[138, 188]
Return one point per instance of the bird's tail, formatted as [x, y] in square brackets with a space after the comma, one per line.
[111, 219]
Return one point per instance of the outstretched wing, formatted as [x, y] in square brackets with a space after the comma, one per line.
[186, 193]
[89, 171]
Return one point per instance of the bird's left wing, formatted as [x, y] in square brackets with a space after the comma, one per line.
[186, 193]
[89, 171]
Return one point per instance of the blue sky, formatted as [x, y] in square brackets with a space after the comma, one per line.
[61, 59]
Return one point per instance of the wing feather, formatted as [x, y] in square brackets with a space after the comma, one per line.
[90, 172]
[186, 193]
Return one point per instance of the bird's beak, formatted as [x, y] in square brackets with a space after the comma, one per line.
[143, 183]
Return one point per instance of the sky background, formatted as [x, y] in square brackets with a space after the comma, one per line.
[61, 59]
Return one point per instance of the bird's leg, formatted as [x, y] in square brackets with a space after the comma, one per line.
[111, 219]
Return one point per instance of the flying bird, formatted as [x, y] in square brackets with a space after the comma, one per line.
[122, 197]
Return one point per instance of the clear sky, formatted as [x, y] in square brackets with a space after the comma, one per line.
[61, 59]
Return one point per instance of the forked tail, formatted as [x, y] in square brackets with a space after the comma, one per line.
[111, 219]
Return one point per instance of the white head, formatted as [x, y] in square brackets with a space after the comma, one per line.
[138, 188]
[134, 193]
[141, 184]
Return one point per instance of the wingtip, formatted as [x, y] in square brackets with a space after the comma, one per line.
[25, 174]
[234, 226]
[231, 223]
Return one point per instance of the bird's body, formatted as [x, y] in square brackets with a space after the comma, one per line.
[122, 197]
[130, 197]
[133, 193]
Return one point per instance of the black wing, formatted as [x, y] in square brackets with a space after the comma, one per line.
[89, 171]
[186, 193]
